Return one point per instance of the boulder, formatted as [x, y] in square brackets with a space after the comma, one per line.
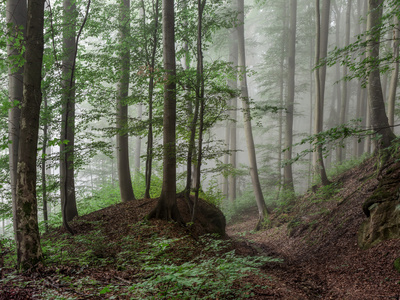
[383, 212]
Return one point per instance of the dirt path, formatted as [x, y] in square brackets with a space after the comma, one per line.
[315, 268]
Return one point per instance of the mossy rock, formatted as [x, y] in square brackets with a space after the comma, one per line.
[396, 264]
[383, 224]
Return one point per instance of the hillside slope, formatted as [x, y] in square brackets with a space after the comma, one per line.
[318, 241]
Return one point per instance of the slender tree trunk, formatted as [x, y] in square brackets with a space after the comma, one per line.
[200, 96]
[344, 98]
[365, 143]
[149, 150]
[29, 253]
[356, 144]
[320, 168]
[262, 207]
[325, 16]
[379, 120]
[338, 77]
[67, 177]
[44, 160]
[233, 57]
[395, 72]
[167, 207]
[287, 171]
[138, 143]
[16, 15]
[312, 58]
[281, 97]
[124, 174]
[225, 179]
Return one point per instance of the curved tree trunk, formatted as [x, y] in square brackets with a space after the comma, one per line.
[29, 253]
[262, 207]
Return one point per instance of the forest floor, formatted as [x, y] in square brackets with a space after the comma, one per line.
[117, 255]
[317, 241]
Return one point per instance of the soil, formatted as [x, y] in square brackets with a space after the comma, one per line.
[321, 258]
[316, 240]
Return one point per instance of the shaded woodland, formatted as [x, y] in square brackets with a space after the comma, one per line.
[162, 149]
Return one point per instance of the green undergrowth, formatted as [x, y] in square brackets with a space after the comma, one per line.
[150, 262]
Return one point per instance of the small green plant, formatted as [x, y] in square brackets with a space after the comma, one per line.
[325, 193]
[201, 278]
[396, 264]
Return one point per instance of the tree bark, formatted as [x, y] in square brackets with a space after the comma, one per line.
[16, 15]
[281, 97]
[379, 120]
[149, 150]
[233, 58]
[29, 253]
[287, 171]
[319, 162]
[44, 160]
[395, 72]
[262, 207]
[124, 173]
[344, 97]
[67, 170]
[167, 207]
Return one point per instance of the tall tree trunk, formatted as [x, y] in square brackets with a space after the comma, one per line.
[233, 58]
[379, 120]
[124, 173]
[67, 178]
[365, 123]
[167, 207]
[319, 162]
[262, 207]
[287, 171]
[325, 16]
[359, 104]
[338, 76]
[15, 15]
[44, 160]
[29, 253]
[344, 102]
[281, 96]
[200, 97]
[322, 31]
[149, 150]
[312, 58]
[395, 72]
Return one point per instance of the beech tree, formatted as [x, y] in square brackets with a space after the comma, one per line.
[29, 253]
[167, 207]
[379, 119]
[395, 72]
[262, 207]
[67, 147]
[318, 121]
[16, 19]
[288, 173]
[124, 174]
[344, 97]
